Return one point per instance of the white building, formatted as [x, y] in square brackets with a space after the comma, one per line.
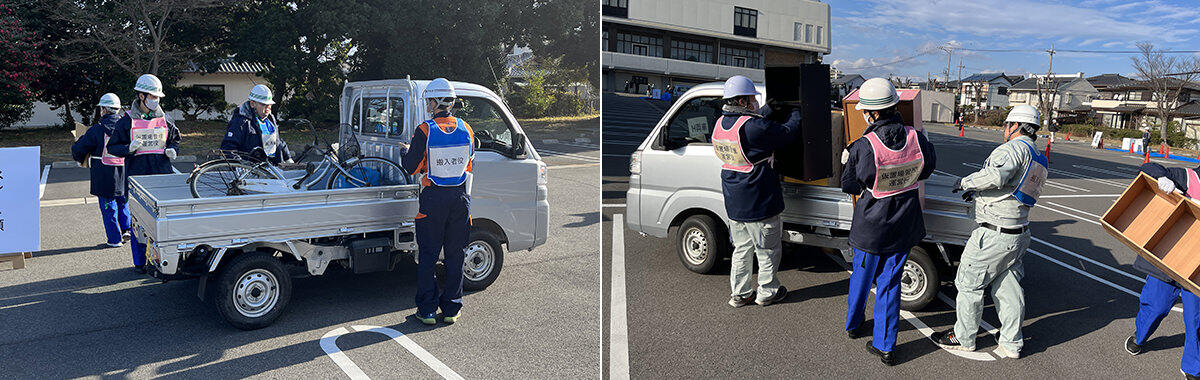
[986, 91]
[655, 43]
[1070, 96]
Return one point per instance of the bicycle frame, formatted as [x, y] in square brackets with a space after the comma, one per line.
[261, 185]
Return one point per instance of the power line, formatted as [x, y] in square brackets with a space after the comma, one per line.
[909, 58]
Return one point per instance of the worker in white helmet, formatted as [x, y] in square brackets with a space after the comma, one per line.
[147, 139]
[1161, 292]
[253, 127]
[745, 141]
[107, 171]
[1004, 190]
[883, 167]
[443, 149]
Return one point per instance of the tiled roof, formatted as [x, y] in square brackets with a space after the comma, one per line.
[1109, 80]
[229, 66]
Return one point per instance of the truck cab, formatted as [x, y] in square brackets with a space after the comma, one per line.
[509, 204]
[675, 192]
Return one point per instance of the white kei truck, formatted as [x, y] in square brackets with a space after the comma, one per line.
[675, 191]
[244, 250]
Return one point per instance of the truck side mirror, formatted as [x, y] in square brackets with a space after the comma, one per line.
[518, 146]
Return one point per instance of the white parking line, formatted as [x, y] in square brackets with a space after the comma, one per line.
[1076, 210]
[42, 186]
[1105, 171]
[1077, 217]
[1081, 196]
[618, 328]
[329, 345]
[613, 205]
[572, 156]
[922, 327]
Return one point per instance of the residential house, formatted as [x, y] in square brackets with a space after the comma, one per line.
[846, 84]
[231, 79]
[1070, 96]
[1103, 81]
[1131, 105]
[986, 91]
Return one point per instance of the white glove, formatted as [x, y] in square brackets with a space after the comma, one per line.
[290, 161]
[170, 153]
[845, 156]
[1166, 185]
[133, 147]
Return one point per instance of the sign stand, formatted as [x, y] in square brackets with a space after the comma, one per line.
[17, 259]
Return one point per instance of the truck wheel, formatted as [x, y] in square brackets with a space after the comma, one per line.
[252, 290]
[483, 260]
[919, 281]
[700, 244]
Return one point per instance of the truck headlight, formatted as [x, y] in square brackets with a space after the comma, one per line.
[543, 176]
[635, 162]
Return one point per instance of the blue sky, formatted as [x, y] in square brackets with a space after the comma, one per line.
[869, 35]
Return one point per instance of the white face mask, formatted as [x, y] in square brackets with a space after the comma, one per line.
[151, 104]
[867, 118]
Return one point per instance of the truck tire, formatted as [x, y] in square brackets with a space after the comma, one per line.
[484, 258]
[252, 290]
[701, 244]
[919, 281]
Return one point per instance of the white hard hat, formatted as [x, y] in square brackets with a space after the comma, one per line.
[260, 93]
[438, 89]
[148, 83]
[738, 85]
[877, 94]
[109, 100]
[1024, 113]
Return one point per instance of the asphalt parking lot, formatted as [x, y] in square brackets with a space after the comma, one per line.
[78, 310]
[1081, 291]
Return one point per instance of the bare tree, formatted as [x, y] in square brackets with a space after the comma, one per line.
[135, 35]
[1158, 71]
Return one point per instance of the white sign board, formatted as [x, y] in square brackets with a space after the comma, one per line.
[1137, 146]
[20, 218]
[698, 128]
[1097, 138]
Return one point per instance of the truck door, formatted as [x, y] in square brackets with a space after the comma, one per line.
[505, 187]
[380, 116]
[679, 165]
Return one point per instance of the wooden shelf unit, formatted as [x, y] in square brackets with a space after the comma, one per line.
[1163, 228]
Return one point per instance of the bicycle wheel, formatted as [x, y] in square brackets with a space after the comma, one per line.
[367, 172]
[221, 178]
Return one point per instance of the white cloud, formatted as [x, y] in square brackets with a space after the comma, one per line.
[1022, 19]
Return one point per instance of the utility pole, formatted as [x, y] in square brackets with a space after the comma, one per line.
[1050, 84]
[958, 89]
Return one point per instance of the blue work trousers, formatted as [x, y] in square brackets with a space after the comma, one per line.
[884, 272]
[442, 225]
[114, 213]
[1156, 300]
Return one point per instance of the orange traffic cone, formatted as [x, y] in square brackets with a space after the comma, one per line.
[1166, 151]
[1047, 149]
[960, 131]
[1068, 137]
[1131, 148]
[1147, 159]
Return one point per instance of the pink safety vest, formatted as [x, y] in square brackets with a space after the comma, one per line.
[896, 171]
[109, 159]
[727, 144]
[150, 134]
[1193, 184]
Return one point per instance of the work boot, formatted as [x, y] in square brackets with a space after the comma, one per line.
[885, 357]
[779, 296]
[1188, 376]
[947, 340]
[125, 236]
[428, 319]
[739, 301]
[114, 245]
[139, 270]
[450, 319]
[1005, 353]
[1132, 347]
[853, 333]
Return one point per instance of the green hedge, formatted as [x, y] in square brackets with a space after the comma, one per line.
[1175, 136]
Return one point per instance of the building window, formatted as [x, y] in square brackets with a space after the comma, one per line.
[731, 56]
[639, 45]
[616, 8]
[692, 51]
[818, 35]
[808, 34]
[745, 22]
[1002, 90]
[798, 32]
[604, 42]
[218, 89]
